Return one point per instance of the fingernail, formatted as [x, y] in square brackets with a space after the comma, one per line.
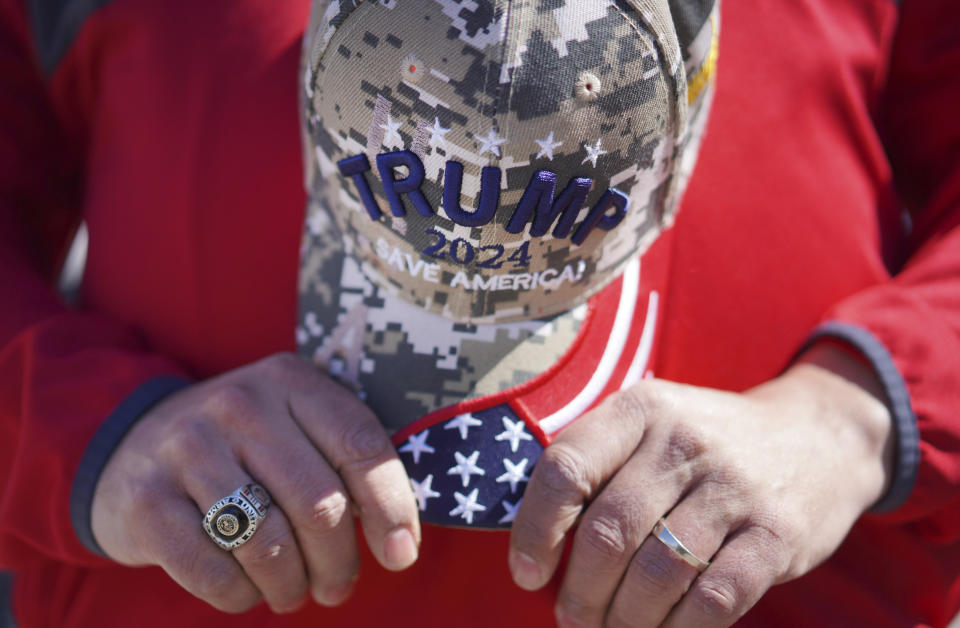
[337, 596]
[290, 608]
[400, 550]
[526, 572]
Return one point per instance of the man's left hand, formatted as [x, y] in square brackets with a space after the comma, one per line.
[764, 484]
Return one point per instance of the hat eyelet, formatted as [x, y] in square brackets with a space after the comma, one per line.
[587, 87]
[412, 69]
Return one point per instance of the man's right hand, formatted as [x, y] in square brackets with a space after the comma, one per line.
[320, 453]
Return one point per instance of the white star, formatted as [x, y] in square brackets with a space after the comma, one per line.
[466, 467]
[423, 491]
[437, 133]
[392, 137]
[547, 146]
[467, 505]
[462, 422]
[491, 143]
[511, 511]
[513, 432]
[416, 445]
[515, 473]
[593, 153]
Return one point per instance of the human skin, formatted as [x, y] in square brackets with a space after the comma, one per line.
[767, 483]
[320, 453]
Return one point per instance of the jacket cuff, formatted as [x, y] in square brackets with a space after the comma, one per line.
[907, 454]
[102, 445]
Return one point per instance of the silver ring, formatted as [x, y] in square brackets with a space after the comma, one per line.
[232, 521]
[666, 537]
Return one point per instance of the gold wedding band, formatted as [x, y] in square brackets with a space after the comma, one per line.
[665, 536]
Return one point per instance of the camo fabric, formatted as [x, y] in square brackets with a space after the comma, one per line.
[406, 363]
[596, 90]
[506, 89]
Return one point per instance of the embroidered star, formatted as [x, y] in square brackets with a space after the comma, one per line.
[423, 491]
[515, 473]
[491, 143]
[511, 511]
[392, 137]
[547, 146]
[466, 467]
[462, 422]
[467, 505]
[437, 133]
[416, 445]
[513, 432]
[593, 153]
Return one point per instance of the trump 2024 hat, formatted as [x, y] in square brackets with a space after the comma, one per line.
[489, 183]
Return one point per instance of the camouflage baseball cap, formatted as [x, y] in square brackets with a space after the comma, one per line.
[477, 170]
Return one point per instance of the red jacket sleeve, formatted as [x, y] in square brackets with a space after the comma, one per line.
[916, 315]
[62, 372]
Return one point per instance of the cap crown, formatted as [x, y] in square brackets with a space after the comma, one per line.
[497, 160]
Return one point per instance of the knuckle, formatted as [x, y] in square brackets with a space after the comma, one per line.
[235, 403]
[684, 445]
[728, 500]
[655, 574]
[774, 530]
[604, 536]
[191, 441]
[328, 513]
[281, 364]
[365, 442]
[774, 545]
[715, 600]
[269, 553]
[637, 402]
[561, 475]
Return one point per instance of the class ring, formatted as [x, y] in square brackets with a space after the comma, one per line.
[232, 521]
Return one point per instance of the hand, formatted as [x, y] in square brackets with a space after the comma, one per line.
[766, 484]
[318, 451]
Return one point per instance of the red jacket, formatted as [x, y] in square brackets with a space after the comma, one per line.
[171, 129]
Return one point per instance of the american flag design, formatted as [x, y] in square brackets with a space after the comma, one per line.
[471, 469]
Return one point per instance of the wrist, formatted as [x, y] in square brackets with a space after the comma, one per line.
[832, 390]
[101, 448]
[844, 392]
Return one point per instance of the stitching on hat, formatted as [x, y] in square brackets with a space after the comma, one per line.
[502, 102]
[480, 117]
[663, 57]
[677, 118]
